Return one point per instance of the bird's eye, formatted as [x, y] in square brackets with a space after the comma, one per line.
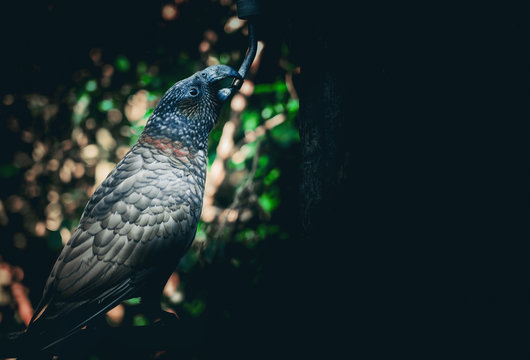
[194, 91]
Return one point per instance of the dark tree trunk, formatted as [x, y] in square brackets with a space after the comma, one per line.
[392, 105]
[326, 155]
[358, 217]
[325, 190]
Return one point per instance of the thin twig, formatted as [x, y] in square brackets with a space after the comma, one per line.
[246, 188]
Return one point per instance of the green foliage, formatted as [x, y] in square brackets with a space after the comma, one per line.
[105, 105]
[278, 87]
[285, 134]
[269, 200]
[91, 85]
[136, 132]
[122, 63]
[272, 176]
[195, 308]
[133, 301]
[250, 120]
[292, 106]
[140, 320]
[76, 136]
[8, 170]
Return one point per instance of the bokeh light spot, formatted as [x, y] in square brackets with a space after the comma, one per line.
[238, 103]
[169, 12]
[115, 316]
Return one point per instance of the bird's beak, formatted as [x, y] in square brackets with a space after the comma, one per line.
[226, 79]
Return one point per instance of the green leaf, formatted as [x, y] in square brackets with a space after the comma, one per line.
[147, 114]
[263, 161]
[277, 87]
[262, 231]
[250, 120]
[122, 63]
[195, 308]
[141, 67]
[224, 58]
[293, 105]
[137, 131]
[80, 108]
[211, 158]
[285, 134]
[146, 79]
[153, 96]
[267, 112]
[139, 320]
[268, 202]
[8, 170]
[200, 234]
[106, 105]
[235, 166]
[133, 301]
[91, 85]
[272, 176]
[245, 235]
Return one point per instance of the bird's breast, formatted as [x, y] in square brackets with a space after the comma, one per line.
[166, 146]
[170, 172]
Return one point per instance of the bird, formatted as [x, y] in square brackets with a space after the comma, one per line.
[143, 217]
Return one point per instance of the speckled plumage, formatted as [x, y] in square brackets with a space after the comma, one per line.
[142, 218]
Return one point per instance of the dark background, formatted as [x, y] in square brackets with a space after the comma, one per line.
[404, 254]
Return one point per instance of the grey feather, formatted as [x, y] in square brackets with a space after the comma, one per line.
[125, 228]
[142, 203]
[94, 228]
[136, 232]
[103, 238]
[143, 216]
[75, 252]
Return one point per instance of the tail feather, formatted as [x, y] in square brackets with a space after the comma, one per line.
[61, 320]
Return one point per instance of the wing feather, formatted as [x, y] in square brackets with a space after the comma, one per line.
[136, 217]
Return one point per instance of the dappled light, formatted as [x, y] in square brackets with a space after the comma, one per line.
[136, 106]
[233, 24]
[71, 133]
[169, 12]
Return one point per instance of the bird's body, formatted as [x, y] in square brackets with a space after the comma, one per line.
[142, 219]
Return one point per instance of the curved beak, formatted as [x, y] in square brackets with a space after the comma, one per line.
[226, 79]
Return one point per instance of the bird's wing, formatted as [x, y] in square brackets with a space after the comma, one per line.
[134, 219]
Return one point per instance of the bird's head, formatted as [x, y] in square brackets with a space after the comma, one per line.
[190, 109]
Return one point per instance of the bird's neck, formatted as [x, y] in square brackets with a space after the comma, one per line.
[166, 145]
[185, 135]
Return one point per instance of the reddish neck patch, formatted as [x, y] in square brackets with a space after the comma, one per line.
[165, 145]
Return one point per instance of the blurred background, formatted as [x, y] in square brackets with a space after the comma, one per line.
[79, 81]
[359, 250]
